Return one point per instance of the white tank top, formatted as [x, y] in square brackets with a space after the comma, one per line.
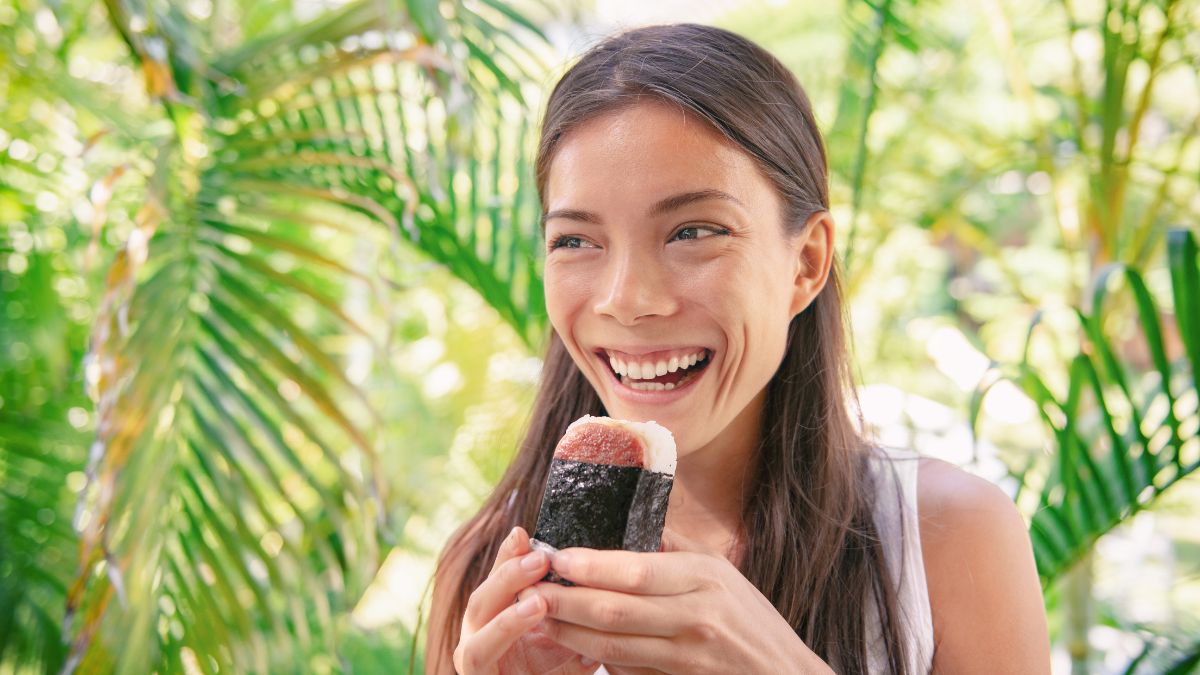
[896, 519]
[895, 474]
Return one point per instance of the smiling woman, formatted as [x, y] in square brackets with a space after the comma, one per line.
[707, 271]
[690, 280]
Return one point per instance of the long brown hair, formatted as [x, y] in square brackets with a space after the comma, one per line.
[810, 544]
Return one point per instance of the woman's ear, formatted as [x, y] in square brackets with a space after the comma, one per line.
[814, 256]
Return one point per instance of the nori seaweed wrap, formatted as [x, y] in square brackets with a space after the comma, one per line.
[608, 486]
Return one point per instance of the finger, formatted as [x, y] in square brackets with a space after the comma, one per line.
[515, 544]
[481, 651]
[613, 648]
[500, 589]
[606, 610]
[630, 572]
[629, 670]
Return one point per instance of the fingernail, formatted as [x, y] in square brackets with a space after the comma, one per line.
[585, 661]
[533, 561]
[562, 562]
[528, 606]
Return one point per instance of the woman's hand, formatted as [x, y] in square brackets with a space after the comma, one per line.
[496, 632]
[674, 612]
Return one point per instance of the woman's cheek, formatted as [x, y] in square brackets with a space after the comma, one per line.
[703, 267]
[566, 291]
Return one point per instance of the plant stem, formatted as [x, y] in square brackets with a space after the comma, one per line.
[1078, 610]
[860, 159]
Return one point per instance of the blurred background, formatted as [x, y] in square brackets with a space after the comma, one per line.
[271, 314]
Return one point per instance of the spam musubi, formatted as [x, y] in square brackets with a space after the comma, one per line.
[608, 486]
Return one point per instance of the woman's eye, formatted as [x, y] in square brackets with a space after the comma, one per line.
[567, 241]
[699, 232]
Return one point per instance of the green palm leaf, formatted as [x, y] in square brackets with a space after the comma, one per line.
[1157, 657]
[36, 542]
[235, 503]
[386, 132]
[43, 407]
[1123, 435]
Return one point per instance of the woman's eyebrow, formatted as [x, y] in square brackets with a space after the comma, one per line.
[662, 206]
[572, 214]
[684, 198]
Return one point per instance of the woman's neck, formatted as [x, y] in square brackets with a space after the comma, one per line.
[709, 494]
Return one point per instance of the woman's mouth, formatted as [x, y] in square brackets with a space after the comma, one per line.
[657, 371]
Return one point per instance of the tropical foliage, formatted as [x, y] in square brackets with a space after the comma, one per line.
[1136, 436]
[233, 502]
[270, 292]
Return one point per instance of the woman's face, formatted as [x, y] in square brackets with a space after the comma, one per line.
[668, 274]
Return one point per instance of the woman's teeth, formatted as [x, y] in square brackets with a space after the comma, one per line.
[646, 370]
[649, 386]
[659, 375]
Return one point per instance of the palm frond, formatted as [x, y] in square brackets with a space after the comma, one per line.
[1159, 655]
[872, 27]
[1124, 433]
[43, 407]
[235, 503]
[36, 541]
[385, 130]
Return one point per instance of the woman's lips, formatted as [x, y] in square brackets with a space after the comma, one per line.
[656, 376]
[649, 364]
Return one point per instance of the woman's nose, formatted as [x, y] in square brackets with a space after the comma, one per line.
[635, 286]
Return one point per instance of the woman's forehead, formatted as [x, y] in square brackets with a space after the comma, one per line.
[645, 153]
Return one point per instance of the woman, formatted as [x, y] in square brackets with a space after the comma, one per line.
[684, 192]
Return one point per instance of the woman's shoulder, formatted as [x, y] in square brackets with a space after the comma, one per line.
[979, 569]
[946, 495]
[946, 491]
[963, 519]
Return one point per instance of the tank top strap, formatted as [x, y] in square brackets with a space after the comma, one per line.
[898, 525]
